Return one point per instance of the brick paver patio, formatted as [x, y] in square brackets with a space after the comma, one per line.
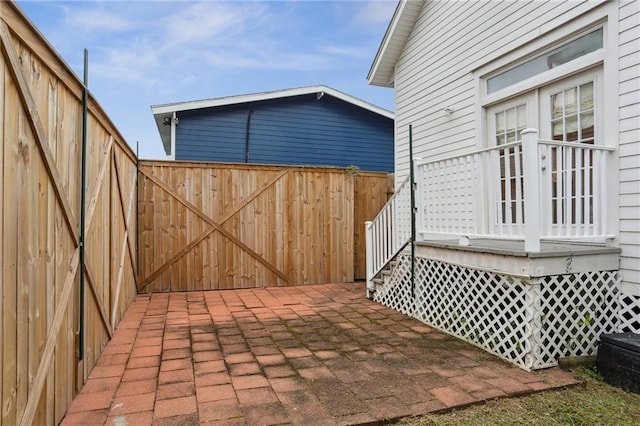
[313, 355]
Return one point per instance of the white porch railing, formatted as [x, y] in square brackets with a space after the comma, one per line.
[389, 232]
[530, 190]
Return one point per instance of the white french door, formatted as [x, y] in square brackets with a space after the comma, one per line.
[565, 111]
[569, 112]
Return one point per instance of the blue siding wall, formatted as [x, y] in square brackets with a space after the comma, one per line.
[298, 130]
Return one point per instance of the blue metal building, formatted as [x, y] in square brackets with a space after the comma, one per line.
[314, 125]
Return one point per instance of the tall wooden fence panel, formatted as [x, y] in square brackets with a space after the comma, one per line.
[223, 226]
[372, 190]
[40, 202]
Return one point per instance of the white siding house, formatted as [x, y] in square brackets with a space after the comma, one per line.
[536, 224]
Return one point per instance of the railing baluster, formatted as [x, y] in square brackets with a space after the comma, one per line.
[479, 195]
[589, 196]
[569, 192]
[519, 196]
[579, 192]
[599, 203]
[546, 190]
[558, 198]
[506, 192]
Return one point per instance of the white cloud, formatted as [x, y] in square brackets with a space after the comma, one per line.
[375, 11]
[347, 51]
[95, 20]
[290, 61]
[205, 22]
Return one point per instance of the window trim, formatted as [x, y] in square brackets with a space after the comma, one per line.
[594, 74]
[603, 16]
[541, 57]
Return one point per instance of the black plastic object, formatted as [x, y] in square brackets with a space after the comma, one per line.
[618, 360]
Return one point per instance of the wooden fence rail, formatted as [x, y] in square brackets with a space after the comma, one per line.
[40, 191]
[221, 226]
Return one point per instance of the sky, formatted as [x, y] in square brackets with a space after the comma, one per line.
[144, 53]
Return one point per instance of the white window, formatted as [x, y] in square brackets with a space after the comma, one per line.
[567, 52]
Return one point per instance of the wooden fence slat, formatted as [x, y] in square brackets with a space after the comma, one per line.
[116, 298]
[47, 354]
[2, 238]
[126, 213]
[93, 199]
[98, 299]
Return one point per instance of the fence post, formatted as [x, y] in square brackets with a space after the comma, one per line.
[419, 200]
[368, 246]
[531, 177]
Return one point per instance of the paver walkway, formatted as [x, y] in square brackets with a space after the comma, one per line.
[314, 355]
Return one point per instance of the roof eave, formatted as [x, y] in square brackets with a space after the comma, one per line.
[382, 69]
[255, 97]
[163, 130]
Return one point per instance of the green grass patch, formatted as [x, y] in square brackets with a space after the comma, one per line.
[593, 402]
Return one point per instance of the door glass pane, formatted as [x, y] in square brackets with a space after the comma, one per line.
[557, 130]
[586, 96]
[521, 113]
[509, 123]
[570, 101]
[500, 123]
[572, 120]
[586, 127]
[571, 127]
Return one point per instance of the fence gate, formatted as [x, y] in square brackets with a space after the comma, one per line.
[214, 226]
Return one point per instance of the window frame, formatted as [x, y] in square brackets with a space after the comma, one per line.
[602, 16]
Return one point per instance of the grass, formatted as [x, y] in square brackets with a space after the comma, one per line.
[594, 402]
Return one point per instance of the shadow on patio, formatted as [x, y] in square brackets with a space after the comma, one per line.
[313, 355]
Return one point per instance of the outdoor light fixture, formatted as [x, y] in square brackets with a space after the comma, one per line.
[166, 121]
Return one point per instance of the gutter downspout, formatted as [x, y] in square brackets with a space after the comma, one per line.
[247, 137]
[174, 121]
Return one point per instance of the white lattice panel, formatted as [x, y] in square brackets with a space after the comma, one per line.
[629, 314]
[396, 293]
[530, 323]
[483, 308]
[574, 310]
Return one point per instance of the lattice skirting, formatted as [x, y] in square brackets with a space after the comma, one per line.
[629, 314]
[530, 322]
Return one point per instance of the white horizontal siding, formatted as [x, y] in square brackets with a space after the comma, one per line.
[449, 40]
[629, 111]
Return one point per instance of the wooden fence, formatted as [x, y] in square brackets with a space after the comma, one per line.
[213, 226]
[41, 117]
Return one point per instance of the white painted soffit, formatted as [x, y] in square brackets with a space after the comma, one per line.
[404, 18]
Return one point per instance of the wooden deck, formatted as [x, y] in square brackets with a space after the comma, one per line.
[510, 256]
